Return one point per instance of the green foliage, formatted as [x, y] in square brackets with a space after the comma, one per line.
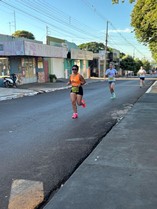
[139, 63]
[121, 55]
[117, 1]
[52, 77]
[128, 63]
[95, 47]
[92, 46]
[146, 64]
[153, 48]
[23, 33]
[144, 21]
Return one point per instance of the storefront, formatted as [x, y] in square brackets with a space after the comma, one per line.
[25, 68]
[4, 66]
[27, 59]
[81, 58]
[62, 67]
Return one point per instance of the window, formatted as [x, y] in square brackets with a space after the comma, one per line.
[1, 47]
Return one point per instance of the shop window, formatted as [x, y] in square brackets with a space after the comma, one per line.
[1, 47]
[40, 63]
[4, 66]
[28, 67]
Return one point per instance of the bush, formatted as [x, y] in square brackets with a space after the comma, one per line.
[52, 77]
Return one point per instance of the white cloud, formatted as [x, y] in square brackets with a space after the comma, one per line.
[126, 30]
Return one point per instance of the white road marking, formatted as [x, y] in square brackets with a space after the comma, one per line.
[25, 194]
[149, 90]
[80, 139]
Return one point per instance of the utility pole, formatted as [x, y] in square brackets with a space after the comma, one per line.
[47, 33]
[12, 24]
[106, 42]
[134, 53]
[47, 30]
[10, 27]
[14, 21]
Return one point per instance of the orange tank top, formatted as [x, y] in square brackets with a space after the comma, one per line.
[75, 79]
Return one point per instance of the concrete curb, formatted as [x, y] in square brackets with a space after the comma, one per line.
[8, 94]
[12, 93]
[152, 88]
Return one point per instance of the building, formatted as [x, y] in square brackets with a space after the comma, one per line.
[27, 58]
[97, 65]
[62, 67]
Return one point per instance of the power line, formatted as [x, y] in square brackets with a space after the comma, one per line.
[46, 12]
[47, 22]
[66, 25]
[126, 39]
[104, 18]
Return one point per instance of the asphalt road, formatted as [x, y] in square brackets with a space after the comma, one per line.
[40, 142]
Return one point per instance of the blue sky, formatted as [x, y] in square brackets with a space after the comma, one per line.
[78, 21]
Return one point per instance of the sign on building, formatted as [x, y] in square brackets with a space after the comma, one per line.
[81, 54]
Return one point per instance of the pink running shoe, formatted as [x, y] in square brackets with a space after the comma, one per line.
[74, 116]
[83, 103]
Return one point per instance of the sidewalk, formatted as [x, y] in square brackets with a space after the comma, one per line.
[30, 89]
[121, 173]
[35, 88]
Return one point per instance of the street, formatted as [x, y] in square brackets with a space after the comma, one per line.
[40, 142]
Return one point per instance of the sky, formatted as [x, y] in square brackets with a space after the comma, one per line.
[78, 21]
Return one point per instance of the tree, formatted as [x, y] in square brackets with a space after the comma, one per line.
[23, 33]
[92, 46]
[122, 55]
[128, 63]
[117, 1]
[139, 63]
[95, 47]
[144, 21]
[146, 64]
[153, 48]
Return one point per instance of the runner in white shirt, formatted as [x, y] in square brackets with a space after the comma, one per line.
[142, 74]
[111, 73]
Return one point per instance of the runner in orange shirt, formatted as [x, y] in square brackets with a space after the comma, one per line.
[76, 81]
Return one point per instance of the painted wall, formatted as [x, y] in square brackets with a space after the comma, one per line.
[46, 70]
[81, 54]
[68, 63]
[57, 67]
[29, 48]
[25, 68]
[42, 50]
